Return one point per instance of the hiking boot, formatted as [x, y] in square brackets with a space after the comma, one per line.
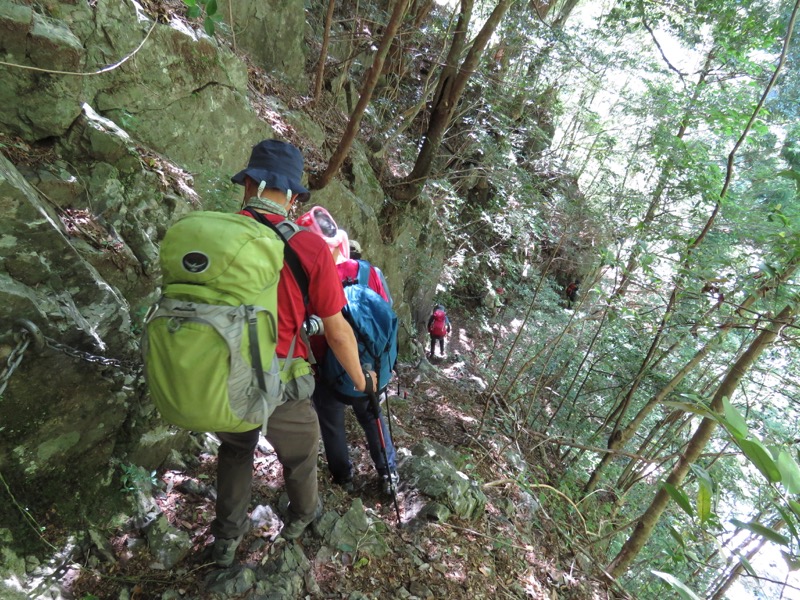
[389, 481]
[224, 551]
[295, 528]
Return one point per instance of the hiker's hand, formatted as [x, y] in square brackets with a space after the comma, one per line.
[370, 382]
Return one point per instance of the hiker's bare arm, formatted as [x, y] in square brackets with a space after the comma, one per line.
[340, 338]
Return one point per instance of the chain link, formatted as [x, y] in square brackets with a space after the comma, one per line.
[91, 358]
[30, 334]
[14, 360]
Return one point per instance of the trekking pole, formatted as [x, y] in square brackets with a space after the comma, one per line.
[373, 398]
[388, 415]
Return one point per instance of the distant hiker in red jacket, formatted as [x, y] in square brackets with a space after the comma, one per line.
[571, 292]
[438, 328]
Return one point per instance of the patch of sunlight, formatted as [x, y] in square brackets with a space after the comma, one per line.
[448, 411]
[531, 585]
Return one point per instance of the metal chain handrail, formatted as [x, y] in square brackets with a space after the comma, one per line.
[29, 334]
[127, 365]
[13, 361]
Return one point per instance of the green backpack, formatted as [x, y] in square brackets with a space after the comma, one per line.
[209, 342]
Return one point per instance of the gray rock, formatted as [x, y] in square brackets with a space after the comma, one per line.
[355, 532]
[283, 574]
[273, 37]
[53, 103]
[168, 545]
[435, 511]
[419, 589]
[431, 471]
[102, 546]
[232, 582]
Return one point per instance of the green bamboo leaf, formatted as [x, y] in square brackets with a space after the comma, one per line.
[765, 268]
[748, 567]
[691, 408]
[787, 517]
[734, 421]
[795, 506]
[790, 472]
[763, 531]
[193, 12]
[705, 491]
[190, 3]
[676, 535]
[676, 584]
[789, 174]
[703, 501]
[680, 498]
[211, 7]
[208, 25]
[760, 457]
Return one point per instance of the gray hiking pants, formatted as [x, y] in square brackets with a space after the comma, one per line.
[293, 430]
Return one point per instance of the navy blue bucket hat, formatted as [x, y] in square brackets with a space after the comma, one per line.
[279, 165]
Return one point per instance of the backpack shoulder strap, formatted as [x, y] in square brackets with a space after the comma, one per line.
[363, 272]
[285, 230]
[384, 284]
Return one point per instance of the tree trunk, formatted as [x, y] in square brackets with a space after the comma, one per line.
[651, 516]
[451, 86]
[323, 53]
[370, 79]
[564, 13]
[542, 7]
[418, 11]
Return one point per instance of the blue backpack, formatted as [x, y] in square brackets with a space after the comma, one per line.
[375, 326]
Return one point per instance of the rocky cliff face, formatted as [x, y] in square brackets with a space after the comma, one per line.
[113, 125]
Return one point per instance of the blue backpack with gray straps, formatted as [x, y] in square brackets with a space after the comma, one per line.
[375, 325]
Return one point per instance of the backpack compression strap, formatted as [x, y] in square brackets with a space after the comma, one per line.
[255, 350]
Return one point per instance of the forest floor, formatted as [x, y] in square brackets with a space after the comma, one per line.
[491, 557]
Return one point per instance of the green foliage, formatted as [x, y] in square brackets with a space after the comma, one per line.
[763, 531]
[705, 492]
[132, 477]
[680, 498]
[207, 9]
[677, 586]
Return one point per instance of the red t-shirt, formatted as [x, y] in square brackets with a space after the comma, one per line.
[349, 270]
[325, 292]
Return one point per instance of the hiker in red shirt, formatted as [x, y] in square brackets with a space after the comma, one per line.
[272, 184]
[329, 403]
[571, 292]
[438, 328]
